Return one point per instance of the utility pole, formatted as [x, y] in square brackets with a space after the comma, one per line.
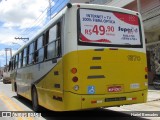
[6, 56]
[8, 49]
[139, 6]
[49, 8]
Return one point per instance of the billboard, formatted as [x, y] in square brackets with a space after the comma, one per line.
[105, 27]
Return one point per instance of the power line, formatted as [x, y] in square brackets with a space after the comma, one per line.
[39, 21]
[29, 31]
[20, 38]
[34, 23]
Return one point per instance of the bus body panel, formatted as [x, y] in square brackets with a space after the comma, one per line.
[51, 94]
[105, 69]
[115, 69]
[109, 100]
[46, 79]
[27, 76]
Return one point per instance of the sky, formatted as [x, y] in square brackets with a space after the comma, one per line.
[23, 18]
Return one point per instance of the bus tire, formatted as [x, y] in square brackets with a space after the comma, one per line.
[35, 100]
[18, 96]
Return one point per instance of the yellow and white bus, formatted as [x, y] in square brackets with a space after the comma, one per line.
[87, 56]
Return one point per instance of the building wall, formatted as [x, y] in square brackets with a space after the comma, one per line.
[131, 6]
[146, 5]
[149, 4]
[118, 3]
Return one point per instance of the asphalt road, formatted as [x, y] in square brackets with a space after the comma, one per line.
[9, 102]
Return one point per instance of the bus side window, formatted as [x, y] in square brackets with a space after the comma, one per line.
[46, 37]
[9, 68]
[53, 46]
[13, 59]
[27, 57]
[39, 50]
[24, 57]
[16, 61]
[20, 59]
[59, 53]
[31, 54]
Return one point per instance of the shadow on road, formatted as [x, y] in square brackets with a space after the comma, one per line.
[94, 114]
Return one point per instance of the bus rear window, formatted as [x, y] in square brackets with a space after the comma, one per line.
[105, 28]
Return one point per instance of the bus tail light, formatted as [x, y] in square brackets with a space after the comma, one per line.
[132, 98]
[146, 76]
[94, 101]
[75, 79]
[83, 99]
[74, 70]
[146, 69]
[76, 87]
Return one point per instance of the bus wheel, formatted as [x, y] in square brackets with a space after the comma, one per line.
[18, 96]
[35, 100]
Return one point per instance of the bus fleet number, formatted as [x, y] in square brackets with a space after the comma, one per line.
[134, 58]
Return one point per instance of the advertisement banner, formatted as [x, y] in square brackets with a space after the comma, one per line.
[109, 27]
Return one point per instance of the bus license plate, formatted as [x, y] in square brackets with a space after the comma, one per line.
[115, 89]
[115, 99]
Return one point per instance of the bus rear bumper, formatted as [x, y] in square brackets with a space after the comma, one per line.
[114, 99]
[77, 102]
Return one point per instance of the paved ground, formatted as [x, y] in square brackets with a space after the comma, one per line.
[152, 105]
[153, 95]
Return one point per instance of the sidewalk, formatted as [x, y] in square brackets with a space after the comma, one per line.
[153, 104]
[153, 95]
